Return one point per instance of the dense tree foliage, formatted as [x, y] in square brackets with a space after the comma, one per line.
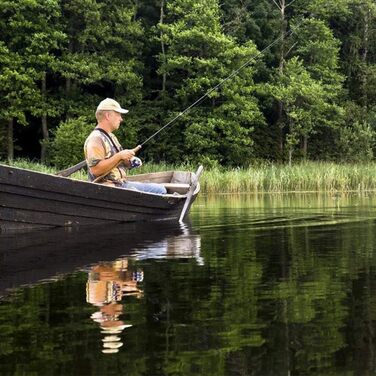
[307, 88]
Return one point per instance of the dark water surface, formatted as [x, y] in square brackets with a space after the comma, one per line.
[254, 285]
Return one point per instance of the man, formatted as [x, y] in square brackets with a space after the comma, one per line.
[105, 158]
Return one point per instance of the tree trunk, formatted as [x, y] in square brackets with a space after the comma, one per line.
[366, 22]
[68, 83]
[305, 146]
[68, 86]
[290, 157]
[10, 140]
[44, 123]
[164, 75]
[282, 7]
[281, 126]
[366, 32]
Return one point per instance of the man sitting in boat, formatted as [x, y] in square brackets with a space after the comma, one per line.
[106, 160]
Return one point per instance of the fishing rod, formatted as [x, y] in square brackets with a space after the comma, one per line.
[234, 73]
[82, 164]
[199, 100]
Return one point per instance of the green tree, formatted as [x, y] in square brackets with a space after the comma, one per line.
[356, 138]
[284, 9]
[101, 56]
[43, 36]
[18, 90]
[69, 138]
[319, 51]
[250, 20]
[198, 57]
[305, 100]
[18, 79]
[355, 23]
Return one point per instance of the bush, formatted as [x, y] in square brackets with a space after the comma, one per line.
[356, 142]
[67, 147]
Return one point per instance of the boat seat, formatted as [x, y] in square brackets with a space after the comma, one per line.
[176, 187]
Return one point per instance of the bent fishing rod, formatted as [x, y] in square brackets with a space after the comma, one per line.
[82, 164]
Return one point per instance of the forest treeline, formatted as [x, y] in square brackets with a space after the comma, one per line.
[308, 92]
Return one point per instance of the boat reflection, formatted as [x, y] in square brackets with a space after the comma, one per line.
[29, 258]
[45, 256]
[185, 245]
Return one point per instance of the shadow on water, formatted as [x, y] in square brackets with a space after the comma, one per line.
[26, 258]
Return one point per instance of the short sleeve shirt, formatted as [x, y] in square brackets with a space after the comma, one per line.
[98, 147]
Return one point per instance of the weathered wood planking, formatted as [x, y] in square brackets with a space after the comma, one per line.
[30, 198]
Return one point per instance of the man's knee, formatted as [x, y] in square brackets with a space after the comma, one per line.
[146, 187]
[158, 188]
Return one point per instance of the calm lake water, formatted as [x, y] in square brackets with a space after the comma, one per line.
[253, 285]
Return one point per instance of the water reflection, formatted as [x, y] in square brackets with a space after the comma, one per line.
[280, 210]
[27, 258]
[108, 283]
[185, 245]
[269, 287]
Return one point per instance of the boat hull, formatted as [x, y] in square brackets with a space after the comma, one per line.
[30, 199]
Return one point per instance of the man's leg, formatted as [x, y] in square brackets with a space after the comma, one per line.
[145, 187]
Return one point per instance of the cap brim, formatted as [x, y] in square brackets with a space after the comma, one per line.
[122, 110]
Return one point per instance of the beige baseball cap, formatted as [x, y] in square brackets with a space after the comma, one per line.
[109, 104]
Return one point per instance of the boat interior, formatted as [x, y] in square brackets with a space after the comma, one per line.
[174, 181]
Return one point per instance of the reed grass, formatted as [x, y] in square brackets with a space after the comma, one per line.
[36, 166]
[302, 177]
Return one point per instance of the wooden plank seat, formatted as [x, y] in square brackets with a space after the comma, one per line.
[180, 188]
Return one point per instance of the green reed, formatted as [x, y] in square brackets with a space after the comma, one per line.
[36, 166]
[301, 177]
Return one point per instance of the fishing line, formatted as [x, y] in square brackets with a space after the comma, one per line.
[234, 73]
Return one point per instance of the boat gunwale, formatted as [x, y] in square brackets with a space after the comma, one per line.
[26, 184]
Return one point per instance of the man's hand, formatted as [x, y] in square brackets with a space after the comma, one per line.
[126, 155]
[106, 165]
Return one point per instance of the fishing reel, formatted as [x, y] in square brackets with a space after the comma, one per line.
[135, 162]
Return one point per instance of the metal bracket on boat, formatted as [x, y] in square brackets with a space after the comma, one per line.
[195, 179]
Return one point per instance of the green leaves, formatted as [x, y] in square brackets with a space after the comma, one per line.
[67, 146]
[304, 99]
[199, 52]
[58, 58]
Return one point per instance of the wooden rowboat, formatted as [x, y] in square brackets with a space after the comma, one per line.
[30, 199]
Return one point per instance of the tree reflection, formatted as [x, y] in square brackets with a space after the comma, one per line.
[295, 297]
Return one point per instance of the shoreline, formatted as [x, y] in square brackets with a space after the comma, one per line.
[305, 177]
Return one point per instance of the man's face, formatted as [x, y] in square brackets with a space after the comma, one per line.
[115, 119]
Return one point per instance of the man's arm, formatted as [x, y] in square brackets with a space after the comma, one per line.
[106, 165]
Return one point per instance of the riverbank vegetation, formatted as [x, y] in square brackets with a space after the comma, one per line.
[302, 95]
[275, 178]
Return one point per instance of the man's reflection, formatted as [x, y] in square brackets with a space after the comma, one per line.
[107, 283]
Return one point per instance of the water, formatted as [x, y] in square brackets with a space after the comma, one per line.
[254, 285]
